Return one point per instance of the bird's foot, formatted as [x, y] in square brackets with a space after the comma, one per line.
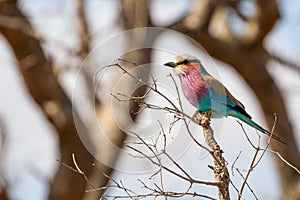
[204, 121]
[202, 118]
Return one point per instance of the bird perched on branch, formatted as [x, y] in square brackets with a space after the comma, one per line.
[207, 93]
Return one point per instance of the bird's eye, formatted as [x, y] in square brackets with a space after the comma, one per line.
[184, 62]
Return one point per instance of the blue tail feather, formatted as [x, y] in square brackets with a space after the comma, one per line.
[247, 120]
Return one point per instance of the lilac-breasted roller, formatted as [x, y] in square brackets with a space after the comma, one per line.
[207, 93]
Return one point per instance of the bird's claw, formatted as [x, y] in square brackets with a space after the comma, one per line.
[202, 118]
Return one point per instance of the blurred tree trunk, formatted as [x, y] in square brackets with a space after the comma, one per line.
[248, 56]
[3, 150]
[46, 91]
[103, 149]
[42, 85]
[133, 14]
[3, 194]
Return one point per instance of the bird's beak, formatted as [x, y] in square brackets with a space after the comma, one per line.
[170, 64]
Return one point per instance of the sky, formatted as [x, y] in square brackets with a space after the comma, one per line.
[29, 164]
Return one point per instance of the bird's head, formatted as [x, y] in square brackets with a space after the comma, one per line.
[184, 64]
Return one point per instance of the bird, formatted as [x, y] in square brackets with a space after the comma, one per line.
[206, 93]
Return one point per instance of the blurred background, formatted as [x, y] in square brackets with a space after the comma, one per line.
[51, 106]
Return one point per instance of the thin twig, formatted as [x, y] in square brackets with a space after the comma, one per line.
[77, 170]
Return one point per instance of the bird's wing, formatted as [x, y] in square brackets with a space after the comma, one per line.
[237, 108]
[220, 89]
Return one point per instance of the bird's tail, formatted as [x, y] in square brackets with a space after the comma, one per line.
[250, 122]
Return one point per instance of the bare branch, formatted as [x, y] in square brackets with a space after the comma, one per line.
[248, 173]
[165, 167]
[285, 62]
[220, 169]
